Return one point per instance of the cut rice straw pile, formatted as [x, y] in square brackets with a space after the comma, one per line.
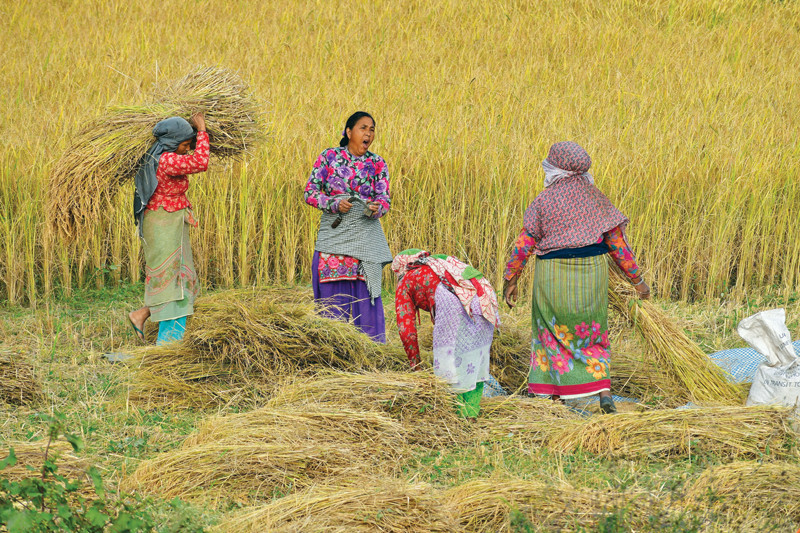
[486, 504]
[727, 432]
[742, 490]
[106, 152]
[19, 384]
[247, 456]
[240, 342]
[30, 458]
[362, 505]
[419, 400]
[530, 422]
[689, 370]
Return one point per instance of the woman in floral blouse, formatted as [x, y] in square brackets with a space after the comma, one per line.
[341, 178]
[570, 227]
[464, 308]
[164, 215]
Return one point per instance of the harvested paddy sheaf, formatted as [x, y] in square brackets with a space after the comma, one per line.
[249, 455]
[419, 400]
[19, 384]
[743, 491]
[387, 505]
[31, 456]
[239, 343]
[106, 152]
[527, 421]
[487, 504]
[685, 370]
[726, 432]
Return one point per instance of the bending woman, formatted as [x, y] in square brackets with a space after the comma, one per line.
[164, 214]
[350, 185]
[464, 308]
[570, 227]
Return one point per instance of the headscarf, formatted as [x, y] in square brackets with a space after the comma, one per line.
[566, 159]
[169, 133]
[463, 280]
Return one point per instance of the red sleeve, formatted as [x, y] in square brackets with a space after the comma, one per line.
[173, 164]
[523, 247]
[406, 319]
[621, 253]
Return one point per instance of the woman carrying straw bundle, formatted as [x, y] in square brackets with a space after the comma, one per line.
[463, 306]
[570, 227]
[350, 185]
[163, 214]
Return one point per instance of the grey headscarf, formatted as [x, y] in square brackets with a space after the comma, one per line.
[169, 134]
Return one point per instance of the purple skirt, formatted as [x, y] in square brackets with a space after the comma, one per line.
[349, 301]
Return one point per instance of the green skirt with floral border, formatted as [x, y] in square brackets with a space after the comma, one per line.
[569, 352]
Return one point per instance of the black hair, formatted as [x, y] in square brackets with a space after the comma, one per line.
[351, 122]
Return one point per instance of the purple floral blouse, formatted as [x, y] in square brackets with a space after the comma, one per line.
[337, 171]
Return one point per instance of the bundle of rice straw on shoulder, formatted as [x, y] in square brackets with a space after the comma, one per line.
[105, 154]
[684, 363]
[749, 494]
[725, 432]
[19, 384]
[365, 505]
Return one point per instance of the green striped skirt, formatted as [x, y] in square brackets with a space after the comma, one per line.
[170, 284]
[569, 352]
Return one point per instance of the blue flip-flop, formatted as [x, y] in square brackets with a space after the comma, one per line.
[139, 333]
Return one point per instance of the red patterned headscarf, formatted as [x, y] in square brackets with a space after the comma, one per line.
[564, 160]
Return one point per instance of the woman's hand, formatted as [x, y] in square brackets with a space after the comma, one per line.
[198, 121]
[643, 290]
[374, 207]
[510, 292]
[344, 206]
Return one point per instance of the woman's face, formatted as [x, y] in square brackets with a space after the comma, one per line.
[361, 136]
[184, 147]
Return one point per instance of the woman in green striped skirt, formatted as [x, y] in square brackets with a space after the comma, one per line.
[570, 227]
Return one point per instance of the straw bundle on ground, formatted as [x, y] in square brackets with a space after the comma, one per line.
[672, 351]
[486, 504]
[105, 153]
[726, 432]
[419, 400]
[246, 456]
[391, 506]
[742, 492]
[18, 382]
[30, 458]
[239, 342]
[511, 353]
[527, 421]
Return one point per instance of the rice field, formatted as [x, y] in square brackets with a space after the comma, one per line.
[689, 109]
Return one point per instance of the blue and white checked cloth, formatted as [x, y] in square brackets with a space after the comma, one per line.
[741, 363]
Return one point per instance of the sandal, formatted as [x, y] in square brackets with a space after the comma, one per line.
[139, 333]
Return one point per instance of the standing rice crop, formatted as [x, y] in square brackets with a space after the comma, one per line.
[105, 153]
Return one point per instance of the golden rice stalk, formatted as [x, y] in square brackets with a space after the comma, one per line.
[246, 456]
[486, 504]
[726, 432]
[267, 332]
[239, 342]
[687, 366]
[511, 353]
[530, 422]
[30, 458]
[106, 152]
[419, 400]
[19, 384]
[743, 491]
[367, 505]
